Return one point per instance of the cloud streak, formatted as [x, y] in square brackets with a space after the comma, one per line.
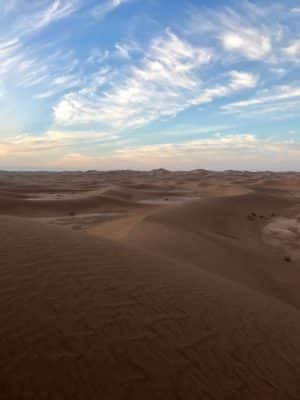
[105, 7]
[220, 152]
[51, 141]
[45, 14]
[276, 95]
[165, 83]
[158, 87]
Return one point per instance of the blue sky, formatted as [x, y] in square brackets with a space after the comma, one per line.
[141, 84]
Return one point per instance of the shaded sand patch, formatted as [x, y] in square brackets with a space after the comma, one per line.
[84, 220]
[170, 199]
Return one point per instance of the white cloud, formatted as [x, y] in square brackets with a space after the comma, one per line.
[49, 13]
[75, 159]
[159, 86]
[238, 81]
[165, 83]
[242, 80]
[248, 42]
[23, 67]
[97, 56]
[243, 151]
[8, 6]
[46, 95]
[105, 7]
[296, 10]
[248, 30]
[36, 66]
[122, 51]
[278, 94]
[8, 55]
[221, 151]
[293, 50]
[8, 47]
[52, 140]
[126, 50]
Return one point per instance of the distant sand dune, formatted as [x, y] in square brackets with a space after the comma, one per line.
[42, 208]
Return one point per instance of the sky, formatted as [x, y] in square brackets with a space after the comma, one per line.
[142, 84]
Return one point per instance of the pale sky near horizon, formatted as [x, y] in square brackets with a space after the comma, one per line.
[140, 84]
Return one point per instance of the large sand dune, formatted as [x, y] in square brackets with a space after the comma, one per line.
[174, 299]
[224, 236]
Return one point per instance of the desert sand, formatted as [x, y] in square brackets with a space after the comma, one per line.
[149, 285]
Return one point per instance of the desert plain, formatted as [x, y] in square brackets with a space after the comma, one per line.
[149, 285]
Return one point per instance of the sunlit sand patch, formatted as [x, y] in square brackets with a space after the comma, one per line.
[68, 195]
[295, 195]
[285, 233]
[54, 196]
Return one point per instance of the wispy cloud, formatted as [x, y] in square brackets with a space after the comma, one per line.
[243, 31]
[26, 69]
[47, 13]
[28, 66]
[8, 6]
[52, 140]
[247, 42]
[165, 82]
[236, 151]
[221, 151]
[293, 50]
[126, 50]
[9, 56]
[237, 81]
[158, 86]
[295, 10]
[105, 7]
[98, 56]
[275, 95]
[230, 151]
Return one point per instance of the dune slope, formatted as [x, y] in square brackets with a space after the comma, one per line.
[224, 236]
[84, 318]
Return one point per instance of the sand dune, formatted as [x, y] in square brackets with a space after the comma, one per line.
[84, 318]
[184, 300]
[222, 236]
